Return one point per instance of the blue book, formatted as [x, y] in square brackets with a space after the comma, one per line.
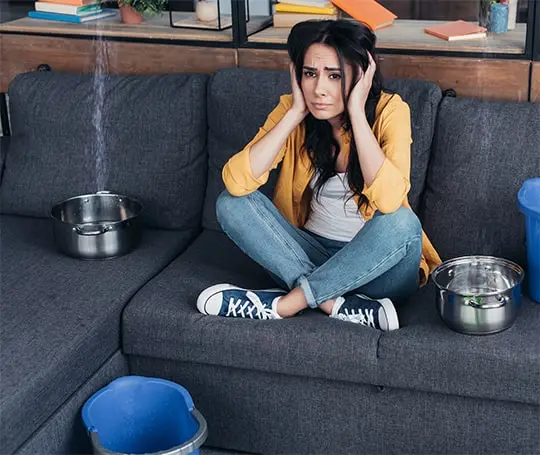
[72, 18]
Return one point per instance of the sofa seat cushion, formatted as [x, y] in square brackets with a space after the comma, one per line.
[483, 152]
[60, 317]
[426, 355]
[143, 136]
[162, 321]
[239, 100]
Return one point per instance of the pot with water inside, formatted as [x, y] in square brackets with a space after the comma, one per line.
[478, 295]
[97, 226]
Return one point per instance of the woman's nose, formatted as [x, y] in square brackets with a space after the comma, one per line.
[320, 87]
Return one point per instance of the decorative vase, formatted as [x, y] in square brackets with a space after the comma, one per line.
[484, 13]
[498, 22]
[512, 14]
[129, 15]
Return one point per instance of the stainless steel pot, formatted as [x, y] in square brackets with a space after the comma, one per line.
[478, 295]
[96, 226]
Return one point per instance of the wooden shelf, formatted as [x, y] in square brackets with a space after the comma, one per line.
[155, 28]
[409, 35]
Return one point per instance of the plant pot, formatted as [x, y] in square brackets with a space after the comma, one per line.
[129, 15]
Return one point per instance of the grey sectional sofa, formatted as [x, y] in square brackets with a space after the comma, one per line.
[303, 385]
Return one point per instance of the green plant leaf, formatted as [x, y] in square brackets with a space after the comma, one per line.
[148, 8]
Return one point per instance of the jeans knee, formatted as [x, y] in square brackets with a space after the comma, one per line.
[231, 209]
[226, 207]
[404, 223]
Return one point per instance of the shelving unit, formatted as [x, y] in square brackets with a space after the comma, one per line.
[409, 35]
[157, 28]
[499, 66]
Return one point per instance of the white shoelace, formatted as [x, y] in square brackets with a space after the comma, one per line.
[362, 317]
[251, 308]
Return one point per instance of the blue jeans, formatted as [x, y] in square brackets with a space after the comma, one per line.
[382, 260]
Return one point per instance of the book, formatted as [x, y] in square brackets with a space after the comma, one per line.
[71, 18]
[287, 8]
[315, 3]
[72, 2]
[457, 31]
[373, 14]
[287, 20]
[67, 9]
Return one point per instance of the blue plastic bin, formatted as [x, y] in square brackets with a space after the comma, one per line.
[141, 415]
[529, 204]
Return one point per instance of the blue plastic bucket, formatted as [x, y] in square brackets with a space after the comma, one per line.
[529, 204]
[140, 415]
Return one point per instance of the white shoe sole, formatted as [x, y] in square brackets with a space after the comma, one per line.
[389, 311]
[206, 295]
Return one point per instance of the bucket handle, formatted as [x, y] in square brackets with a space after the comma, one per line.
[186, 448]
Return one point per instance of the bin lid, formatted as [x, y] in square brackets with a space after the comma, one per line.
[529, 197]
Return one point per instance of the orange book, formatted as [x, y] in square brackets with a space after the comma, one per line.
[370, 12]
[72, 2]
[457, 30]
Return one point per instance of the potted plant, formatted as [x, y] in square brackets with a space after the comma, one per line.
[134, 11]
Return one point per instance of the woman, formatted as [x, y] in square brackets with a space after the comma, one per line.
[340, 235]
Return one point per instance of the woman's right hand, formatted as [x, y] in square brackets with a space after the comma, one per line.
[299, 103]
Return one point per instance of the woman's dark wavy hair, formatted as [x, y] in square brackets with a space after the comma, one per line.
[352, 42]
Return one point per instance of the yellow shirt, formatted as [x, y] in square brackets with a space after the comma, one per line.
[292, 195]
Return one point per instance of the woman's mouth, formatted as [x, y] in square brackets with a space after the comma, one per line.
[321, 106]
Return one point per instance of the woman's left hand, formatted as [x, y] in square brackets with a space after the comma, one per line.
[360, 91]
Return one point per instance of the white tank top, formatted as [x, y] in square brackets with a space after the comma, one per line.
[334, 214]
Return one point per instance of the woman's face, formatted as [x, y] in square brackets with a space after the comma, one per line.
[321, 83]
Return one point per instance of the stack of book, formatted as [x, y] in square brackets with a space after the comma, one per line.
[78, 11]
[287, 13]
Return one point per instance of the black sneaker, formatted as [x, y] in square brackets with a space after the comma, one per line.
[231, 301]
[379, 314]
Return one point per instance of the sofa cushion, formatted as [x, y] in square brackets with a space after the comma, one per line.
[60, 317]
[482, 153]
[239, 101]
[152, 146]
[162, 321]
[426, 355]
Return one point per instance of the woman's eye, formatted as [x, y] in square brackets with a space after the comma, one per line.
[309, 73]
[335, 76]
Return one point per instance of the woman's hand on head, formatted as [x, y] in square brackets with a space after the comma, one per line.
[299, 103]
[360, 91]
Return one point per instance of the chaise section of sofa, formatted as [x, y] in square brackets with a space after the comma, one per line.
[264, 386]
[61, 317]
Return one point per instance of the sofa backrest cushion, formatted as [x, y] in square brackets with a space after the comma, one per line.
[482, 153]
[148, 141]
[239, 101]
[4, 144]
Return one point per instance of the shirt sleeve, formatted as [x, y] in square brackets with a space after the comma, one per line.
[391, 185]
[237, 174]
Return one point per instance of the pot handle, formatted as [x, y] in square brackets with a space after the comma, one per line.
[476, 302]
[92, 229]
